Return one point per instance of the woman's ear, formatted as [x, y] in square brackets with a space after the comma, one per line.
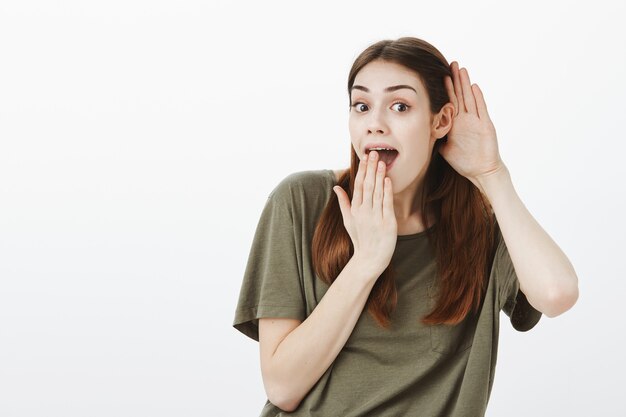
[442, 122]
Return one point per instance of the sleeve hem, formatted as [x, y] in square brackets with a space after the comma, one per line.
[523, 315]
[247, 318]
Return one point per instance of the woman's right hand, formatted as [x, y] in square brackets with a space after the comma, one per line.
[370, 219]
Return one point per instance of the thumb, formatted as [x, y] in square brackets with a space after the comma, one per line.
[344, 202]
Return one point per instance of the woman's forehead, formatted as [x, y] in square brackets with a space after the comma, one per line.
[379, 77]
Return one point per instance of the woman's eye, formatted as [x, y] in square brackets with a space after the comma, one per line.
[404, 106]
[359, 108]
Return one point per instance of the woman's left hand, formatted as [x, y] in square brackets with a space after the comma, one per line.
[472, 146]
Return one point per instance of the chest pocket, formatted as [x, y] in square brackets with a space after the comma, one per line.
[451, 339]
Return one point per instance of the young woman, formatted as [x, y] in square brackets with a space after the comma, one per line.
[377, 291]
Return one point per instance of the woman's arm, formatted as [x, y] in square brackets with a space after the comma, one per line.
[291, 368]
[546, 276]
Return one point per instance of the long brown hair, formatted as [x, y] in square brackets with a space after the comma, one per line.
[464, 237]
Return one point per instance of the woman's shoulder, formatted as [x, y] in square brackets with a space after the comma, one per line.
[304, 181]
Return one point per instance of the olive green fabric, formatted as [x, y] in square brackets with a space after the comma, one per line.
[408, 370]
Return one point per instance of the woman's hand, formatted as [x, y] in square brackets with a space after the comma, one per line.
[370, 219]
[472, 145]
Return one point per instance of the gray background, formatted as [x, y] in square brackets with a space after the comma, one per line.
[139, 141]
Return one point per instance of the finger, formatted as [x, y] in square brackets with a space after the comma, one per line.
[468, 96]
[378, 189]
[357, 194]
[388, 210]
[480, 102]
[458, 90]
[450, 88]
[370, 176]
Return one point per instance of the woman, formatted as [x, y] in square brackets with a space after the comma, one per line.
[383, 298]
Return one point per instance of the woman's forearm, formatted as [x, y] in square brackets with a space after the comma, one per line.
[545, 274]
[307, 352]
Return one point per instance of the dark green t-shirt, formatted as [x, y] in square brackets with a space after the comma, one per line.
[410, 369]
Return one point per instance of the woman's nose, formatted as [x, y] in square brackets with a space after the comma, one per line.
[376, 123]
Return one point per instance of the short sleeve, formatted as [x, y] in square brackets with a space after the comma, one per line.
[513, 302]
[271, 285]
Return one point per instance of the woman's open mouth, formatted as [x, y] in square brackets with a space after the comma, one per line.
[388, 157]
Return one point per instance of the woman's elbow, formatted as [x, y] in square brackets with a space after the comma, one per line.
[282, 399]
[563, 301]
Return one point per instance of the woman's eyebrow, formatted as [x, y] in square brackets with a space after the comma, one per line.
[387, 90]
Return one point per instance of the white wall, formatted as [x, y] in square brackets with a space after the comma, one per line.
[138, 143]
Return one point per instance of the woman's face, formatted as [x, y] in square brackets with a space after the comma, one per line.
[400, 118]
